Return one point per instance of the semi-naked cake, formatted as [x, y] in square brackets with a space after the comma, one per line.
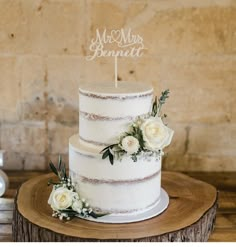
[126, 187]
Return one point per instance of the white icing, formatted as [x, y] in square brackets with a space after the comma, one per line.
[106, 132]
[88, 162]
[103, 120]
[131, 195]
[113, 108]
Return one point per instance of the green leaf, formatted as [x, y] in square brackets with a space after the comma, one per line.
[154, 108]
[59, 162]
[105, 154]
[162, 100]
[105, 149]
[108, 147]
[53, 168]
[111, 158]
[96, 215]
[64, 171]
[50, 182]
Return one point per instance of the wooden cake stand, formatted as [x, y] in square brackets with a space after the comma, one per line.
[190, 215]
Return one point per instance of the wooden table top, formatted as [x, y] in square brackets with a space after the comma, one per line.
[225, 229]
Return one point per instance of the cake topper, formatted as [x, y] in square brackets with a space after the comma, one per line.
[116, 43]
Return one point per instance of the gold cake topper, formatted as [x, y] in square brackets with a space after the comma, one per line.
[116, 43]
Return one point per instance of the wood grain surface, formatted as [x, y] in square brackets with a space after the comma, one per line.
[189, 217]
[225, 230]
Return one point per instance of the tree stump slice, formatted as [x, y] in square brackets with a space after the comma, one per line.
[190, 216]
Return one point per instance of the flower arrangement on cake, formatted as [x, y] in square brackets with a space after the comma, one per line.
[146, 137]
[65, 202]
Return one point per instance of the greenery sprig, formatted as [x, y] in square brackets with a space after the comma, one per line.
[157, 104]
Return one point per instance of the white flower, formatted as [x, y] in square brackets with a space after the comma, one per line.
[155, 134]
[61, 198]
[130, 144]
[77, 206]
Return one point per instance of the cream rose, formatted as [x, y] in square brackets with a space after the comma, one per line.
[77, 206]
[155, 134]
[130, 144]
[61, 198]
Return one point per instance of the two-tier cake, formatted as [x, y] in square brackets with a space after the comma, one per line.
[127, 186]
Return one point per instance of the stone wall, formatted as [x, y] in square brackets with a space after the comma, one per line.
[191, 50]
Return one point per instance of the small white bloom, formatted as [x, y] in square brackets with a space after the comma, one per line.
[84, 210]
[61, 217]
[60, 198]
[155, 134]
[130, 144]
[83, 200]
[77, 206]
[86, 204]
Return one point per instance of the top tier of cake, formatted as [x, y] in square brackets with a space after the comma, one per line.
[106, 111]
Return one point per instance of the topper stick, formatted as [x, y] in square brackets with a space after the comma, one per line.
[116, 84]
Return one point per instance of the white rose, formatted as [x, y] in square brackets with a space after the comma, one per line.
[61, 198]
[155, 134]
[77, 206]
[130, 144]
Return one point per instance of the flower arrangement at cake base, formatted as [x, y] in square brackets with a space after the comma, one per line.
[65, 202]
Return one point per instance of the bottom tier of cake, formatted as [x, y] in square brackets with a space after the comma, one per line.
[126, 187]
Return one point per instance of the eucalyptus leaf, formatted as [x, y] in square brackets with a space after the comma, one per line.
[53, 168]
[154, 108]
[162, 100]
[64, 171]
[108, 147]
[111, 158]
[59, 162]
[105, 154]
[96, 215]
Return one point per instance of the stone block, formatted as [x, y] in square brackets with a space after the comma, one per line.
[232, 105]
[64, 75]
[233, 28]
[32, 72]
[199, 162]
[23, 137]
[55, 27]
[9, 88]
[100, 69]
[34, 162]
[182, 31]
[214, 140]
[200, 88]
[14, 31]
[113, 19]
[202, 71]
[145, 70]
[180, 139]
[58, 136]
[13, 160]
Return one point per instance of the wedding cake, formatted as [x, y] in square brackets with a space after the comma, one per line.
[115, 159]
